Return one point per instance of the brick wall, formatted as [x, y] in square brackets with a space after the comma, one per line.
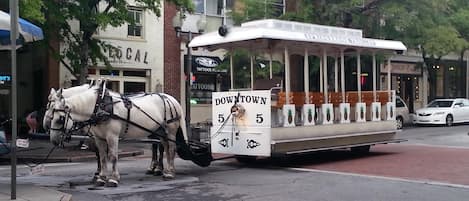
[172, 54]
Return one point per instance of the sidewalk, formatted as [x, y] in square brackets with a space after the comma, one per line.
[37, 153]
[33, 193]
[38, 150]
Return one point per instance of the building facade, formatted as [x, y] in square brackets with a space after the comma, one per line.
[138, 60]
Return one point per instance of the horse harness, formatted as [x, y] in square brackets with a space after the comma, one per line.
[104, 110]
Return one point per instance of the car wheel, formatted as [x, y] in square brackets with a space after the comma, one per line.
[449, 120]
[399, 122]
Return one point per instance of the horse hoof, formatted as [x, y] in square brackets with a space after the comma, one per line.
[157, 173]
[112, 183]
[168, 176]
[99, 182]
[150, 172]
[95, 179]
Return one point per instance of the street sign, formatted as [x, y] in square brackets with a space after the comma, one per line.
[38, 169]
[23, 143]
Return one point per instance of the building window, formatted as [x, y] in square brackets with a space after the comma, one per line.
[277, 7]
[199, 6]
[214, 7]
[135, 30]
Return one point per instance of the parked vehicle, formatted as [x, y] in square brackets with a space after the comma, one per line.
[402, 113]
[444, 112]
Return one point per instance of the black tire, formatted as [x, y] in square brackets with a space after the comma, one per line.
[246, 159]
[449, 120]
[361, 149]
[399, 122]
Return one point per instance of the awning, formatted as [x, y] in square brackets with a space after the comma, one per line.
[28, 32]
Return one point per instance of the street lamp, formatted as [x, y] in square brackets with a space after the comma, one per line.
[177, 24]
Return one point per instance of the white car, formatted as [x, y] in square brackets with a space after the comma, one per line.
[444, 112]
[402, 113]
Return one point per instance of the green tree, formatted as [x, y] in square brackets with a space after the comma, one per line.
[80, 48]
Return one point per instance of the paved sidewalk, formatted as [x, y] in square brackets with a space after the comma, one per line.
[39, 149]
[37, 153]
[26, 192]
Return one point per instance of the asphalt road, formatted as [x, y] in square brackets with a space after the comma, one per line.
[430, 166]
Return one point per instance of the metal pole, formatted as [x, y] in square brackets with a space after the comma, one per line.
[188, 87]
[13, 34]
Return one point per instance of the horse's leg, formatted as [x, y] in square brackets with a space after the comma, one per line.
[170, 148]
[154, 162]
[113, 143]
[101, 145]
[93, 147]
[159, 167]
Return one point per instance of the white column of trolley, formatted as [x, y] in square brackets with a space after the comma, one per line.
[309, 109]
[390, 107]
[344, 106]
[231, 69]
[375, 106]
[336, 74]
[327, 108]
[251, 58]
[288, 108]
[360, 108]
[270, 63]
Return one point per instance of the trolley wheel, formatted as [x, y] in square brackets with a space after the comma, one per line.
[246, 159]
[361, 149]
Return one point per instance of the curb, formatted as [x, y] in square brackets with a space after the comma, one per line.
[80, 158]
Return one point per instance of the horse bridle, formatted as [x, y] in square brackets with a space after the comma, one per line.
[63, 120]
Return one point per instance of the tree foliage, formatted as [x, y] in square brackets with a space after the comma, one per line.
[80, 48]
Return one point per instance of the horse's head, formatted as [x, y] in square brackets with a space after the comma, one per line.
[61, 122]
[50, 105]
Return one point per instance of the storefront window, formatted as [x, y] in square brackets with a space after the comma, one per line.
[134, 87]
[207, 77]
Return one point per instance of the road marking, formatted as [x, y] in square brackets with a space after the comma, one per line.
[382, 177]
[439, 146]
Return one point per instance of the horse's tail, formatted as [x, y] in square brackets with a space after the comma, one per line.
[182, 124]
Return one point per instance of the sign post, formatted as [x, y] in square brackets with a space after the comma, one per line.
[13, 36]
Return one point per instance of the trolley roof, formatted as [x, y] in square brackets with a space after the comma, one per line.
[259, 34]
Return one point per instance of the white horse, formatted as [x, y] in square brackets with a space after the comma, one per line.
[53, 97]
[156, 165]
[147, 113]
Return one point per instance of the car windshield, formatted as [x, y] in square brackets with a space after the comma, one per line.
[446, 103]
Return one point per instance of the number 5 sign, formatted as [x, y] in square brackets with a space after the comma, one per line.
[241, 122]
[251, 107]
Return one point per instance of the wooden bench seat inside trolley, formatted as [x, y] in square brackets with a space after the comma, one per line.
[317, 98]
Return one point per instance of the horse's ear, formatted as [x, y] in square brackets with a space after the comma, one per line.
[59, 93]
[52, 91]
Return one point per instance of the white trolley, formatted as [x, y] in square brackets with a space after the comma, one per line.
[279, 120]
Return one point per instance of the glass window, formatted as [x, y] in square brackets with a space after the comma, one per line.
[199, 6]
[136, 28]
[113, 85]
[134, 87]
[214, 7]
[399, 102]
[440, 103]
[109, 72]
[277, 7]
[135, 73]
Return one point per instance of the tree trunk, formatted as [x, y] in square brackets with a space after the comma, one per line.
[84, 63]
